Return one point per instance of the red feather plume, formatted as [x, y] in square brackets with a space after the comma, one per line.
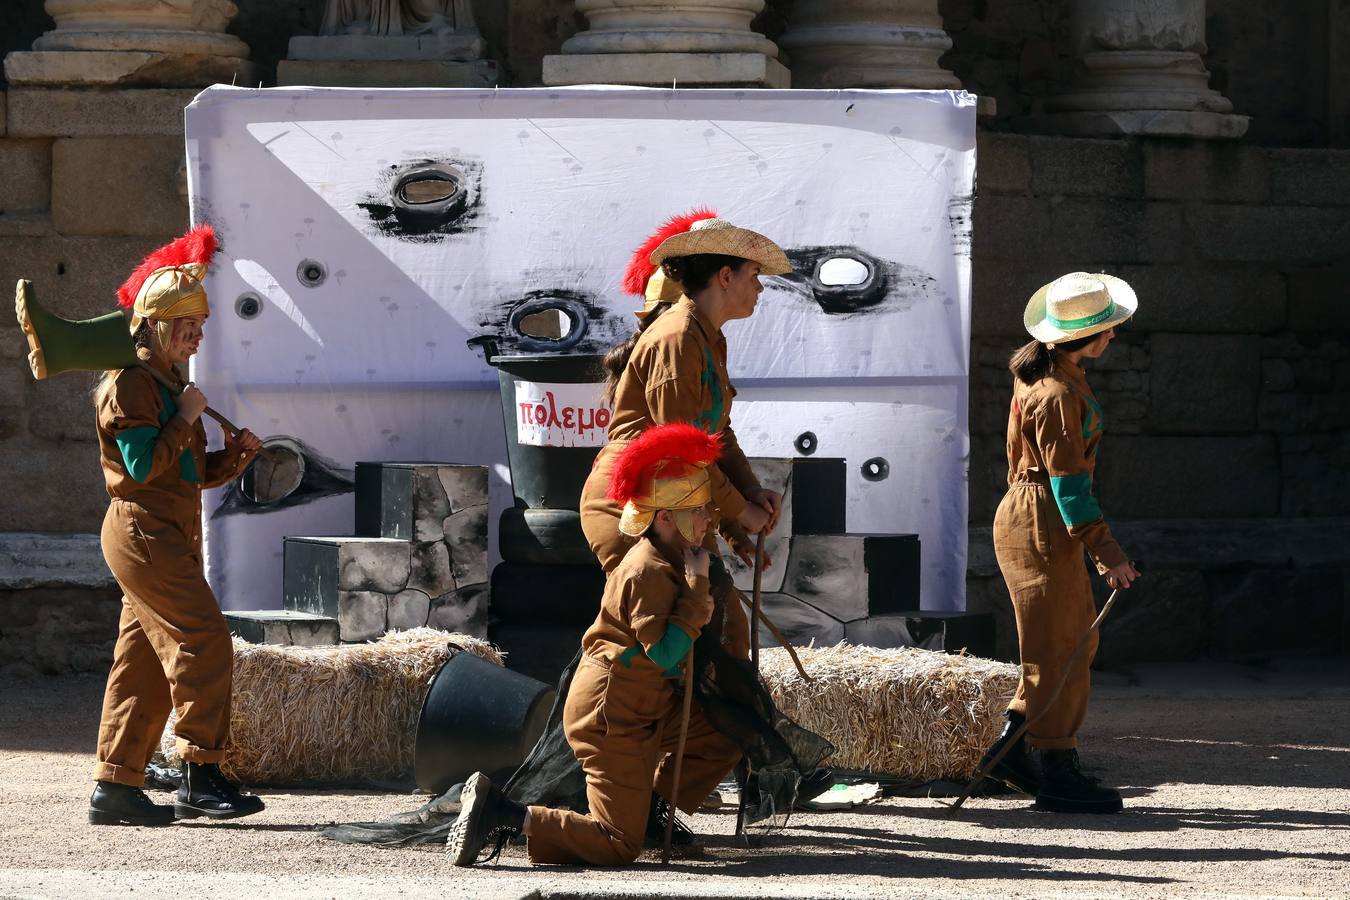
[196, 246]
[640, 268]
[683, 447]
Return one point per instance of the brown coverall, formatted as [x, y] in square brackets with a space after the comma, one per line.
[622, 715]
[677, 373]
[173, 648]
[1042, 526]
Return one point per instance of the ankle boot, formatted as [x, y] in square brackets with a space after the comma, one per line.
[485, 814]
[1016, 769]
[204, 791]
[1064, 788]
[657, 816]
[121, 804]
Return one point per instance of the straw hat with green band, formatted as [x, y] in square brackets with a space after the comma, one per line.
[1078, 305]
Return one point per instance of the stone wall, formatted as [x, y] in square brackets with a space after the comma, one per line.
[1224, 397]
[1286, 65]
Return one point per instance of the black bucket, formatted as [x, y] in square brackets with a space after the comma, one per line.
[477, 717]
[550, 475]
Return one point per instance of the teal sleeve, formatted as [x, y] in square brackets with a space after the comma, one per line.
[1073, 494]
[670, 650]
[138, 450]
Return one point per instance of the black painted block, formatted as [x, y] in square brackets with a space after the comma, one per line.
[853, 576]
[969, 631]
[819, 495]
[412, 500]
[549, 595]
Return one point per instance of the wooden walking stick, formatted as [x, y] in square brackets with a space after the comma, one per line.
[679, 756]
[983, 771]
[755, 615]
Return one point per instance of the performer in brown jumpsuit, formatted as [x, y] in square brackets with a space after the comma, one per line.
[1044, 523]
[622, 713]
[696, 273]
[173, 650]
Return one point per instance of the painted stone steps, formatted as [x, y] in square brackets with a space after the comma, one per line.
[419, 556]
[282, 626]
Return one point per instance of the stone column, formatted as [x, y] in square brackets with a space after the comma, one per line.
[652, 42]
[1139, 71]
[391, 43]
[135, 43]
[868, 44]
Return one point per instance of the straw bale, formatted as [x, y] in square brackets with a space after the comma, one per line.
[331, 714]
[907, 712]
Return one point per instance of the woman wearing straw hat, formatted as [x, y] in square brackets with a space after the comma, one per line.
[696, 273]
[1044, 523]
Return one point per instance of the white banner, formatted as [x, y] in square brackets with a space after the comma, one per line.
[560, 415]
[374, 240]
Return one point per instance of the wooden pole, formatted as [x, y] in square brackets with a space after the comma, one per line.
[673, 806]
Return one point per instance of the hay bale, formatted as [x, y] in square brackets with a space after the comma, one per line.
[910, 713]
[331, 714]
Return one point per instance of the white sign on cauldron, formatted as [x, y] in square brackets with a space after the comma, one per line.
[560, 415]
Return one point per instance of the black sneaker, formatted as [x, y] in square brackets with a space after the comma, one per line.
[1064, 788]
[660, 812]
[121, 804]
[204, 791]
[485, 814]
[1016, 769]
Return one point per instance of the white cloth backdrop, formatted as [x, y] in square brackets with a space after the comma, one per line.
[560, 185]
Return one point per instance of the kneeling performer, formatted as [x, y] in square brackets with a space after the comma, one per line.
[622, 713]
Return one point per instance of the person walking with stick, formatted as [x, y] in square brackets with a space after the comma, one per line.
[1047, 519]
[623, 716]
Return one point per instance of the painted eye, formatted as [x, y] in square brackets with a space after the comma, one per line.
[551, 324]
[548, 321]
[876, 469]
[839, 271]
[843, 280]
[425, 199]
[806, 443]
[290, 475]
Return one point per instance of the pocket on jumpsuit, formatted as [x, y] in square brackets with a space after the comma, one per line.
[1022, 540]
[633, 704]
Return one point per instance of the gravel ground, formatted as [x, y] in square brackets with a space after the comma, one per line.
[1237, 784]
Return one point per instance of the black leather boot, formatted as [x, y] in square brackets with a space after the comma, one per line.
[1064, 788]
[660, 811]
[121, 804]
[204, 791]
[1016, 769]
[485, 814]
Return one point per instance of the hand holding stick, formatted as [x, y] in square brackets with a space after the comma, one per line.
[230, 428]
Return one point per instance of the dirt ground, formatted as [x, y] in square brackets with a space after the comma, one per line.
[1237, 784]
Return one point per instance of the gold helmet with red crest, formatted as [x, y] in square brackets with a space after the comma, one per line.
[168, 283]
[666, 467]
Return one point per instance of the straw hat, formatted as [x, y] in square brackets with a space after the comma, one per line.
[720, 236]
[1078, 305]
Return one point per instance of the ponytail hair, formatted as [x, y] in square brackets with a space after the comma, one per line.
[616, 360]
[1033, 360]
